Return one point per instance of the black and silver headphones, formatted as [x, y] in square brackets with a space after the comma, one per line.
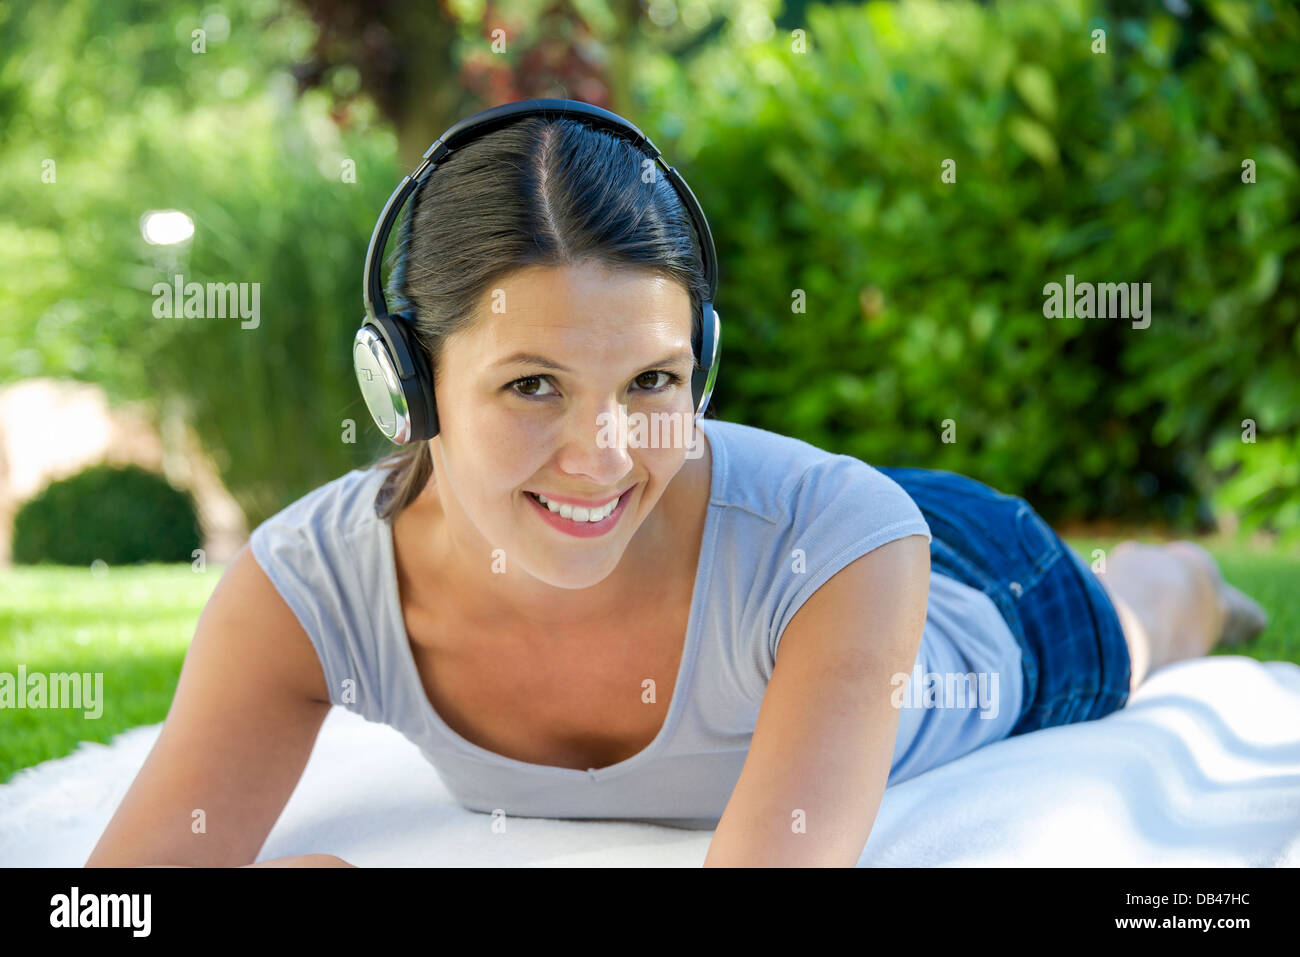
[393, 371]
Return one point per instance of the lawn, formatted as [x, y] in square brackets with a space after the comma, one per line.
[133, 624]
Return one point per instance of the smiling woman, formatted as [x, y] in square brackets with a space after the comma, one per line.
[706, 633]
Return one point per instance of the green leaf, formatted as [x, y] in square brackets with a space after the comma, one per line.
[1036, 88]
[1034, 138]
[1233, 15]
[1263, 283]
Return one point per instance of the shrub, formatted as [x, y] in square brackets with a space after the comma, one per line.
[924, 298]
[120, 515]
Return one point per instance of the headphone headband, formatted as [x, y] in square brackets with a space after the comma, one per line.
[397, 390]
[484, 122]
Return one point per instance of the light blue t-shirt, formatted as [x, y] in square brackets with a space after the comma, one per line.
[783, 517]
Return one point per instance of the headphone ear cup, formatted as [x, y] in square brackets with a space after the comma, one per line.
[708, 350]
[393, 374]
[419, 392]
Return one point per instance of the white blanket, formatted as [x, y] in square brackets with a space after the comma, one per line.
[1202, 768]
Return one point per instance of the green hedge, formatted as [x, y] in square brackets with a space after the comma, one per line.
[820, 171]
[820, 174]
[118, 515]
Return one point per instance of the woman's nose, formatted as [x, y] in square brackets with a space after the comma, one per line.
[595, 442]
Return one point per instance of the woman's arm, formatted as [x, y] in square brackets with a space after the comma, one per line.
[822, 748]
[249, 704]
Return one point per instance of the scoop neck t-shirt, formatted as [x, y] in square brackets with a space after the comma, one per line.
[783, 517]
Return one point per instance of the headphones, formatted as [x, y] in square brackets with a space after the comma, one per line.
[393, 371]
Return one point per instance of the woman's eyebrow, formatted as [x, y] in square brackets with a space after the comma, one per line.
[531, 358]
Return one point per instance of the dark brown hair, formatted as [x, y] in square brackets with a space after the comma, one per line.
[536, 192]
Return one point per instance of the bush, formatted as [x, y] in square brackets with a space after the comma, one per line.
[120, 515]
[266, 176]
[924, 298]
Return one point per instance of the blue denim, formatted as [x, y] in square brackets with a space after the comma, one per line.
[1075, 661]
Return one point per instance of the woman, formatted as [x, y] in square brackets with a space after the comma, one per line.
[570, 626]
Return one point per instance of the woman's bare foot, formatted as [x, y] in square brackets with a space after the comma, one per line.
[1243, 617]
[1168, 606]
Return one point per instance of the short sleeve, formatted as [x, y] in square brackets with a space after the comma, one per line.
[842, 509]
[315, 580]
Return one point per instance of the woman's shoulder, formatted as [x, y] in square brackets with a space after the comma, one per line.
[754, 444]
[323, 538]
[338, 506]
[790, 481]
[798, 515]
[324, 554]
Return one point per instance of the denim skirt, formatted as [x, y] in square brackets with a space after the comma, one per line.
[1075, 661]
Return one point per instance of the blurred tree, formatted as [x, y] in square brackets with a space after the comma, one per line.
[428, 64]
[110, 109]
[269, 123]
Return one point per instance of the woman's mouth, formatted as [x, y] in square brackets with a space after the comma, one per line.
[577, 521]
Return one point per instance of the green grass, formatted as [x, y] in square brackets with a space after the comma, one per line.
[133, 624]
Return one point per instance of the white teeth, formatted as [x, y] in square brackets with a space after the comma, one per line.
[578, 513]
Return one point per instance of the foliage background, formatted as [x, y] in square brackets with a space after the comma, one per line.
[819, 171]
[925, 299]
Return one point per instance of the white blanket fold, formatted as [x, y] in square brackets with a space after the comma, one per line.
[1202, 768]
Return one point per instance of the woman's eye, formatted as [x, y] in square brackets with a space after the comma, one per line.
[526, 392]
[670, 379]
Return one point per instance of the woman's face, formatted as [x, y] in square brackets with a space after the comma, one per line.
[603, 347]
